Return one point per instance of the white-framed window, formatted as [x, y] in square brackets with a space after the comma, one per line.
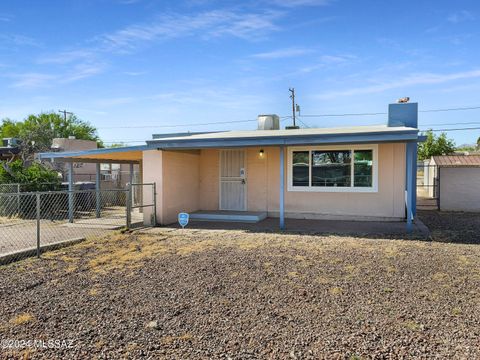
[339, 168]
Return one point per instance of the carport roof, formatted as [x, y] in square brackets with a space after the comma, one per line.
[129, 154]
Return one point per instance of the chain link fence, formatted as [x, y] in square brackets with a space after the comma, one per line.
[33, 222]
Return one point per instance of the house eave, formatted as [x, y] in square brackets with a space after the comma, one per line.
[284, 140]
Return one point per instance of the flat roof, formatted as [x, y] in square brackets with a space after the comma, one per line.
[356, 134]
[229, 139]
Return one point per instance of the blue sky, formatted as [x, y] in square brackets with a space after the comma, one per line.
[139, 63]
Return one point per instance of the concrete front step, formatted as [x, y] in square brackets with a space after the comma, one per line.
[229, 216]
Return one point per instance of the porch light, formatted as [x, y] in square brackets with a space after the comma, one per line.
[261, 153]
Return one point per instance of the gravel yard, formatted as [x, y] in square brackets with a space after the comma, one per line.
[172, 293]
[455, 227]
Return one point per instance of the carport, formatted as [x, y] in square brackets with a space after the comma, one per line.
[125, 155]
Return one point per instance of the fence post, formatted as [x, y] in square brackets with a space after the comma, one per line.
[129, 205]
[38, 224]
[70, 192]
[154, 204]
[18, 199]
[97, 193]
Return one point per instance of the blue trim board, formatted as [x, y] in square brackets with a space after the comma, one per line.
[283, 140]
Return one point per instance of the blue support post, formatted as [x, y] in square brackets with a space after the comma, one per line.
[414, 163]
[98, 200]
[70, 192]
[410, 182]
[282, 188]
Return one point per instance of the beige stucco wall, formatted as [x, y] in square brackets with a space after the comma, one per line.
[209, 179]
[189, 181]
[177, 176]
[460, 189]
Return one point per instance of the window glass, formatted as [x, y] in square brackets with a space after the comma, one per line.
[363, 170]
[300, 168]
[331, 168]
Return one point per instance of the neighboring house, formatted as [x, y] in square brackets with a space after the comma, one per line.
[9, 149]
[354, 173]
[112, 175]
[458, 181]
[82, 171]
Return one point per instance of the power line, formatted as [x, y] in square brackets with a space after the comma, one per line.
[353, 114]
[176, 125]
[184, 125]
[288, 117]
[385, 113]
[452, 124]
[458, 129]
[452, 109]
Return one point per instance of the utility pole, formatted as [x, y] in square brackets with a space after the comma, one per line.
[292, 96]
[65, 112]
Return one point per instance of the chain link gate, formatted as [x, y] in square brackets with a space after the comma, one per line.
[142, 201]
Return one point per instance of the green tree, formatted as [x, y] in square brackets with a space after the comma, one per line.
[37, 131]
[435, 145]
[478, 143]
[35, 177]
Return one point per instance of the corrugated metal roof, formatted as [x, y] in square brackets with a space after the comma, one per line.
[457, 160]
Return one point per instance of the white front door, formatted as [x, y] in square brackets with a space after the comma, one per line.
[233, 186]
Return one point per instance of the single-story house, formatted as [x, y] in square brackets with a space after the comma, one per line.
[354, 173]
[457, 179]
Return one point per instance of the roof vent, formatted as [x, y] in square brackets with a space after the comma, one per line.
[268, 122]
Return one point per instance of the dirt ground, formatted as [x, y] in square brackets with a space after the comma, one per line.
[453, 227]
[172, 293]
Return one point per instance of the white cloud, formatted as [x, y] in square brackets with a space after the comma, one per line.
[413, 80]
[18, 40]
[134, 73]
[296, 3]
[460, 16]
[326, 60]
[210, 24]
[283, 53]
[214, 97]
[32, 80]
[82, 71]
[67, 57]
[115, 101]
[6, 17]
